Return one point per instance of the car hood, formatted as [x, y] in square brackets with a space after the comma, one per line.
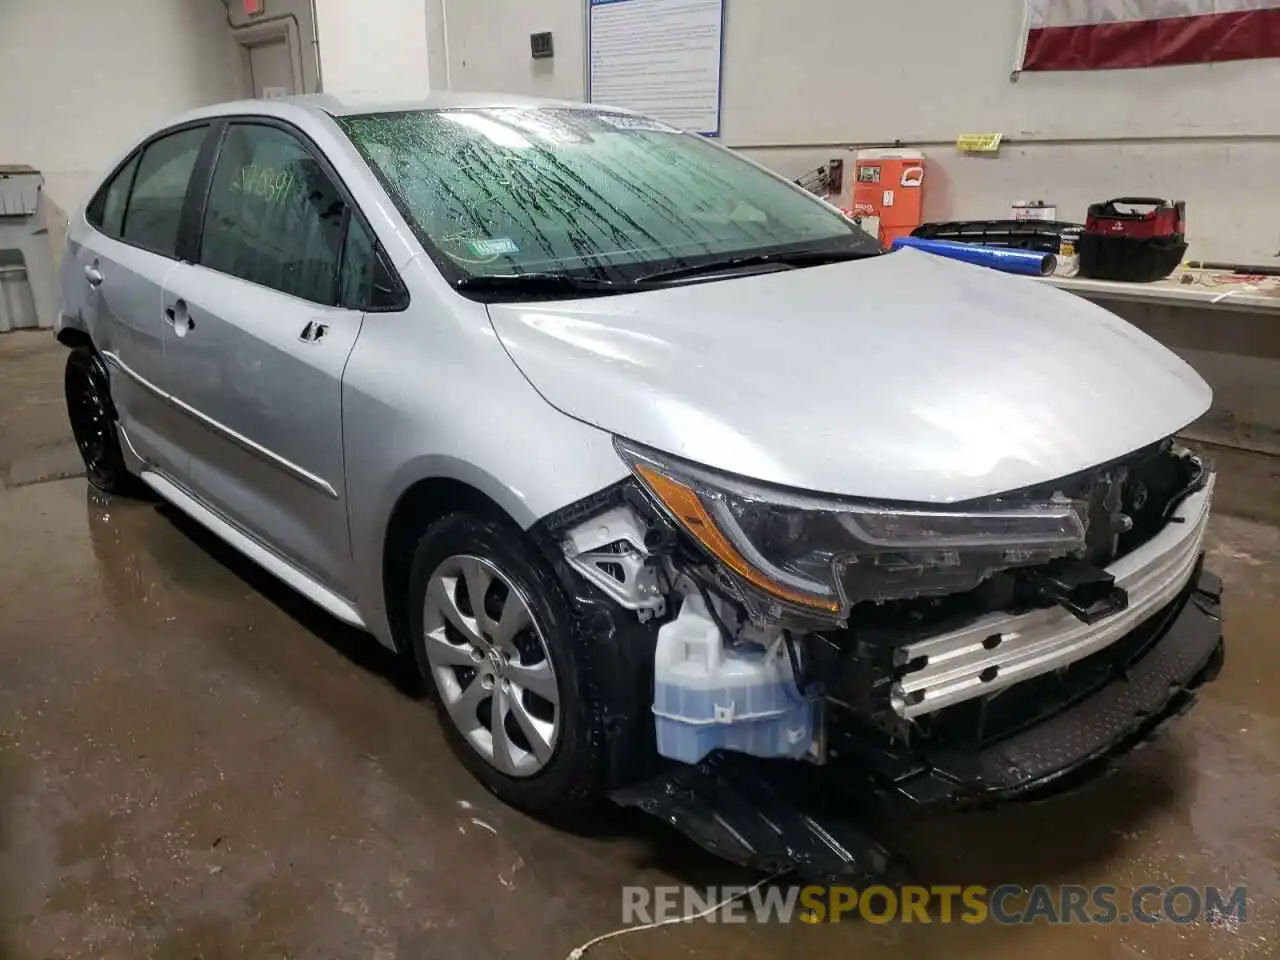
[902, 377]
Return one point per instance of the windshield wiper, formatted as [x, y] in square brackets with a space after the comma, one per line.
[533, 285]
[783, 260]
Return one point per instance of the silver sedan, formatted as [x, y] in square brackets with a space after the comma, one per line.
[645, 455]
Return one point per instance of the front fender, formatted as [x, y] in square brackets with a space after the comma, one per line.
[431, 393]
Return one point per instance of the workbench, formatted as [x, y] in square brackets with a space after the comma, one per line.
[1225, 326]
[1202, 289]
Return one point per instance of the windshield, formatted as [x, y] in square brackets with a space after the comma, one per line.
[508, 191]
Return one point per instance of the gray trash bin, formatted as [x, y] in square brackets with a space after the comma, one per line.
[17, 301]
[27, 295]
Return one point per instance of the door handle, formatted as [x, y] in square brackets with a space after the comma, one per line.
[313, 332]
[180, 318]
[93, 275]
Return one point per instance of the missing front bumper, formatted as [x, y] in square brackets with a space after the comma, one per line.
[1002, 650]
[1072, 745]
[779, 815]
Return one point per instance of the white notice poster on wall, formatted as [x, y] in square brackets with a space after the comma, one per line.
[660, 57]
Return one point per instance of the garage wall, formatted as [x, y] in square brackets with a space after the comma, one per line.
[374, 51]
[356, 27]
[296, 16]
[82, 79]
[808, 80]
[489, 46]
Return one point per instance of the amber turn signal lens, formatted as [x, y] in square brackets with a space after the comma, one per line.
[685, 506]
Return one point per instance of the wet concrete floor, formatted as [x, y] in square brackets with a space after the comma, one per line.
[194, 763]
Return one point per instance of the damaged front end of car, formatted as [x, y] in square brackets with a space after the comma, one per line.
[773, 660]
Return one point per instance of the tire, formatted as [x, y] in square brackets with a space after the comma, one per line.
[570, 774]
[87, 390]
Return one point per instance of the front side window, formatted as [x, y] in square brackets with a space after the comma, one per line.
[154, 209]
[517, 191]
[274, 217]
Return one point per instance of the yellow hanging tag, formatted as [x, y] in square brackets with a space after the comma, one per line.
[979, 142]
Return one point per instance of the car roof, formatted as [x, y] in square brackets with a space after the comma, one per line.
[329, 105]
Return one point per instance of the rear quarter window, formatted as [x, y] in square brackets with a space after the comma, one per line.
[159, 191]
[106, 212]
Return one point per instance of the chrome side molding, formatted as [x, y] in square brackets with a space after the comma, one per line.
[288, 466]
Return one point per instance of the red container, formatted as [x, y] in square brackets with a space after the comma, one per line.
[1164, 219]
[1136, 245]
[888, 192]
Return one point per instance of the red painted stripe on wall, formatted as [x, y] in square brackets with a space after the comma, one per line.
[1244, 35]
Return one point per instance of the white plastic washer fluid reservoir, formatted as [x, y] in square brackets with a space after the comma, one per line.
[709, 696]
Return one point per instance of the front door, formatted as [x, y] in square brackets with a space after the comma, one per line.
[260, 343]
[124, 266]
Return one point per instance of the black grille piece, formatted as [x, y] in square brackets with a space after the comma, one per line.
[1054, 730]
[1130, 503]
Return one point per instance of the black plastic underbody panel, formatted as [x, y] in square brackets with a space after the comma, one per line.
[766, 814]
[784, 815]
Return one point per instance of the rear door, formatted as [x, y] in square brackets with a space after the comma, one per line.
[123, 264]
[264, 323]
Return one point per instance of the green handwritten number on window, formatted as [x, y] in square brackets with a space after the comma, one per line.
[267, 183]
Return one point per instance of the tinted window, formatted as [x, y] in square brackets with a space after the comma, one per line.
[359, 262]
[107, 210]
[274, 217]
[366, 281]
[159, 189]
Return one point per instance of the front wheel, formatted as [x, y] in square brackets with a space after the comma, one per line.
[92, 415]
[494, 639]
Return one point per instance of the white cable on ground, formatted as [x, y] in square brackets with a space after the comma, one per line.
[577, 953]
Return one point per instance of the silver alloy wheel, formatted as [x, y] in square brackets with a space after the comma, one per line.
[491, 664]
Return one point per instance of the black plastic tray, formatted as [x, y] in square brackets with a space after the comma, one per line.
[1039, 235]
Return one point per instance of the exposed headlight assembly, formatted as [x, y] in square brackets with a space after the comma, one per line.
[823, 554]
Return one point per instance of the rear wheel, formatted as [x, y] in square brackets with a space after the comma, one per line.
[494, 639]
[93, 423]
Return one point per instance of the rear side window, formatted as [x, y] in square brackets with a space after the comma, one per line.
[275, 218]
[159, 191]
[107, 210]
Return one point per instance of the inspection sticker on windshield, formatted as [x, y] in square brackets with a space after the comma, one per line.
[626, 122]
[493, 247]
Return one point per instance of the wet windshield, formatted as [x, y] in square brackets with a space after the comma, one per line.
[563, 192]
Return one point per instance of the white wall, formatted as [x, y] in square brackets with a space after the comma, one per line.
[406, 23]
[83, 79]
[489, 46]
[296, 14]
[808, 80]
[927, 70]
[374, 49]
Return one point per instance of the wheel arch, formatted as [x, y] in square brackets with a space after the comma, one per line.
[72, 337]
[419, 505]
[620, 648]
